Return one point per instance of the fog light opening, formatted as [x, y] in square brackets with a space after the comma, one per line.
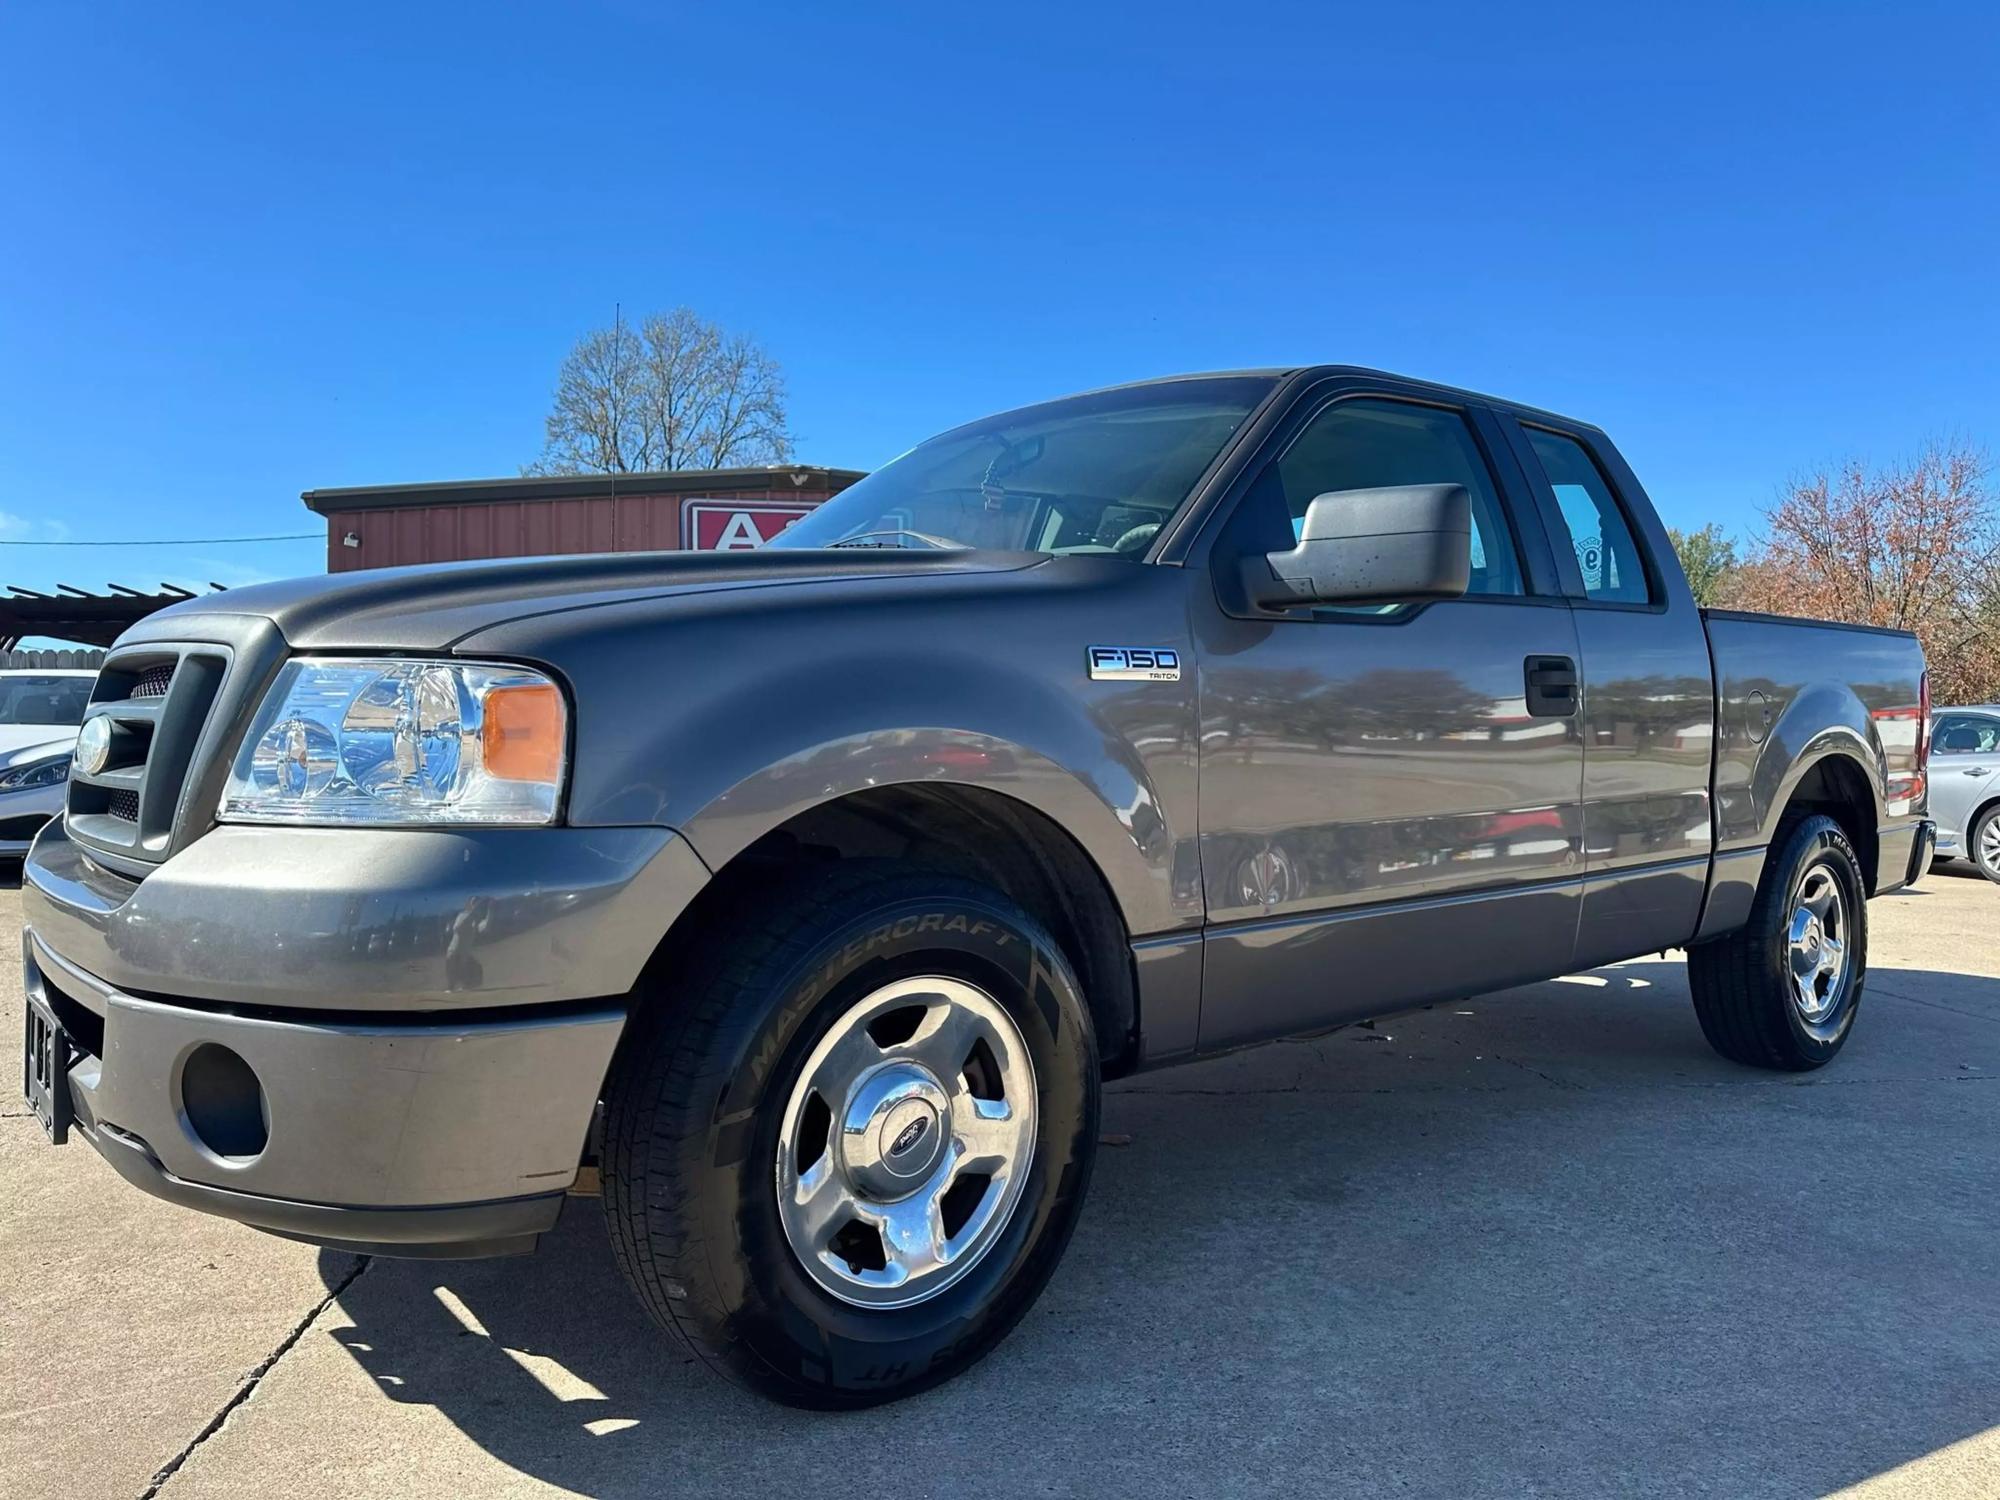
[223, 1103]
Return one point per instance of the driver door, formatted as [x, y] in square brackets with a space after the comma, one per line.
[1389, 811]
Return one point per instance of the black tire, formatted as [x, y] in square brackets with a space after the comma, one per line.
[692, 1123]
[1987, 864]
[1742, 984]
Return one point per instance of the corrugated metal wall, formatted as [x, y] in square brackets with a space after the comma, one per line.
[518, 528]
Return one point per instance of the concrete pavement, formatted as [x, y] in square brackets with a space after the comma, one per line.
[1538, 1243]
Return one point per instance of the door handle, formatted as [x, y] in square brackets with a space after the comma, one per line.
[1551, 687]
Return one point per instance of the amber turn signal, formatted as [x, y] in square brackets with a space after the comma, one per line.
[523, 731]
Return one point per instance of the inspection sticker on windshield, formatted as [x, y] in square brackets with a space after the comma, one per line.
[1134, 664]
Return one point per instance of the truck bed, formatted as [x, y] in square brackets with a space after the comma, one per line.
[1788, 692]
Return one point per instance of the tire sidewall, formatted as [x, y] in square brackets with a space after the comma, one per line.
[823, 1350]
[1820, 842]
[1976, 842]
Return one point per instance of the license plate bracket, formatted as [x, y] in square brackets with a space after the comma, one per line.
[47, 1053]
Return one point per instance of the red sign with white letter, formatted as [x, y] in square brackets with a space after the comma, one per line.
[709, 525]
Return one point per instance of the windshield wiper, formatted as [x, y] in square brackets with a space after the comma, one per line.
[876, 539]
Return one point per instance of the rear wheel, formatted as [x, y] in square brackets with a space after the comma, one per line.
[1783, 991]
[1986, 843]
[846, 1159]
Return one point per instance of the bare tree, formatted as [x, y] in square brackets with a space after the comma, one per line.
[677, 392]
[598, 424]
[1915, 546]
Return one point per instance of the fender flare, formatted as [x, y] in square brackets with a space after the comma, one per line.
[1114, 814]
[1823, 722]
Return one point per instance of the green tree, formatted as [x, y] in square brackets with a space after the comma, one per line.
[1708, 557]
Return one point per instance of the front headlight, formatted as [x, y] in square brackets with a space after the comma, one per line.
[51, 772]
[401, 742]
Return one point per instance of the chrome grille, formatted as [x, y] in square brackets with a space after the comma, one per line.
[157, 699]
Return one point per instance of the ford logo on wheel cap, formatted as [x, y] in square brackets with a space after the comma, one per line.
[907, 1138]
[93, 746]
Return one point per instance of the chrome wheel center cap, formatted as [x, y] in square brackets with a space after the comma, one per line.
[893, 1131]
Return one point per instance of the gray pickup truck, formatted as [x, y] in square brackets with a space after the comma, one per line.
[810, 893]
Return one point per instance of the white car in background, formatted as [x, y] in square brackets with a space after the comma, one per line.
[1965, 785]
[40, 710]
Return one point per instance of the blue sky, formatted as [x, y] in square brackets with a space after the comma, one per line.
[250, 250]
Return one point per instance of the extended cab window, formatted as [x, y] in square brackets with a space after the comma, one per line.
[1613, 570]
[1359, 445]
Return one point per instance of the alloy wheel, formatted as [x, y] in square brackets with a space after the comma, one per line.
[906, 1142]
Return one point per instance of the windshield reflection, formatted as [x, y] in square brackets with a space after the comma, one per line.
[1098, 474]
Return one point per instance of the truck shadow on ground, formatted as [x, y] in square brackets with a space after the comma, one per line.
[1539, 1240]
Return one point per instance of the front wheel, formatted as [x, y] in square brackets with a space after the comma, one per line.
[1783, 991]
[846, 1159]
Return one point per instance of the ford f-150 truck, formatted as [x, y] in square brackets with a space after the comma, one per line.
[1093, 737]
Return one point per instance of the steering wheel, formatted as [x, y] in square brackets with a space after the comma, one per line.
[1135, 540]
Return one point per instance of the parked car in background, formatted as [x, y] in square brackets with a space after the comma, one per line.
[39, 715]
[1965, 785]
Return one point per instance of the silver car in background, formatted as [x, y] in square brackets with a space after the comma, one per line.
[39, 714]
[1965, 785]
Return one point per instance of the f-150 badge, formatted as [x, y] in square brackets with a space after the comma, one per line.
[1134, 664]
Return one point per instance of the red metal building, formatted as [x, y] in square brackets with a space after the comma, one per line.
[382, 526]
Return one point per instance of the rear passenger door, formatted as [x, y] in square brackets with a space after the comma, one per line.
[1386, 816]
[1648, 694]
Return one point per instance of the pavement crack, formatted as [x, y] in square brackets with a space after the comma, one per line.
[248, 1386]
[1512, 1062]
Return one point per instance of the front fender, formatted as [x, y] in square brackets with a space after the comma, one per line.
[1106, 800]
[722, 717]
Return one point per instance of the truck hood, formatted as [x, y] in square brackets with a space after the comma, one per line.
[434, 607]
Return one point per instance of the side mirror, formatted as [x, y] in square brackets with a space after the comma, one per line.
[1383, 546]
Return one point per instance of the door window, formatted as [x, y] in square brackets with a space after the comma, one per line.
[1967, 734]
[1608, 556]
[1359, 445]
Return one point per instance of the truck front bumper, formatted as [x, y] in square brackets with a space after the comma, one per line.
[388, 1041]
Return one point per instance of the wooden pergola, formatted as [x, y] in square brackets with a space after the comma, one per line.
[74, 614]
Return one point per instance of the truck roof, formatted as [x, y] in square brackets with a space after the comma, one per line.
[1308, 373]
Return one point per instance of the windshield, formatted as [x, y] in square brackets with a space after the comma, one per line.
[1097, 474]
[27, 699]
